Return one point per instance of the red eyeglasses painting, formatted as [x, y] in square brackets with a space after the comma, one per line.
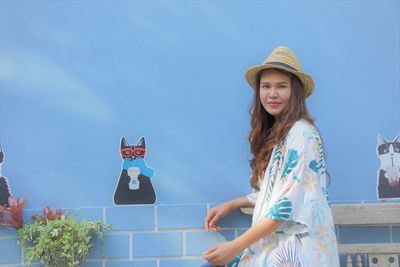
[134, 185]
[132, 153]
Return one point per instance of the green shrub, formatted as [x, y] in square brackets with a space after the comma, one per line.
[60, 242]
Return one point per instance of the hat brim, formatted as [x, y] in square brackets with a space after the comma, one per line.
[253, 72]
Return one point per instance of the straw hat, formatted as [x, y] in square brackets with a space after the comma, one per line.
[282, 58]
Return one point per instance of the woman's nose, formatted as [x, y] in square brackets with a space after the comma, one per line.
[273, 93]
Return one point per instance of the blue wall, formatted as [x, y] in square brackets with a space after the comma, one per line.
[171, 236]
[75, 76]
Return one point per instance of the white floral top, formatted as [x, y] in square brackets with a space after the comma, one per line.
[294, 189]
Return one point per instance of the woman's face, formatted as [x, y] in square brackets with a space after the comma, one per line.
[275, 91]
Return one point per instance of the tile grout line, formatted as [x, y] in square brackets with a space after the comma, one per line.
[130, 246]
[22, 256]
[184, 244]
[155, 218]
[104, 215]
[7, 237]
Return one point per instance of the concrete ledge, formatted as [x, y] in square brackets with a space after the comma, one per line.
[360, 214]
[366, 214]
[370, 248]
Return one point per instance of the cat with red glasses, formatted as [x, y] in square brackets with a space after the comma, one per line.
[134, 185]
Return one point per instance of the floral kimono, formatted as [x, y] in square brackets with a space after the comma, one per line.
[294, 189]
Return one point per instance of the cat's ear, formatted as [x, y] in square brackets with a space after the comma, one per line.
[124, 143]
[397, 139]
[141, 142]
[381, 140]
[1, 153]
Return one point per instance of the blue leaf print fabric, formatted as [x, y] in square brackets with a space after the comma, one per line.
[314, 165]
[282, 210]
[292, 158]
[294, 190]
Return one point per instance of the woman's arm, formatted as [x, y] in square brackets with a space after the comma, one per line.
[241, 202]
[256, 232]
[222, 210]
[222, 253]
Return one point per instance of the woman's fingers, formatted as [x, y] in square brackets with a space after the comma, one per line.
[206, 223]
[208, 254]
[212, 256]
[214, 215]
[213, 223]
[208, 219]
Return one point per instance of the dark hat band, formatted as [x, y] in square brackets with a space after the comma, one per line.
[281, 65]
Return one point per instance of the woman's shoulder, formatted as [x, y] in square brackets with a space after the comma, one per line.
[302, 126]
[302, 130]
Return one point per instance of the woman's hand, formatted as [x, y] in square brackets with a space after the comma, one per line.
[217, 213]
[221, 254]
[220, 211]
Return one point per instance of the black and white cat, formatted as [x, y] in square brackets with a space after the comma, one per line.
[389, 171]
[4, 188]
[134, 184]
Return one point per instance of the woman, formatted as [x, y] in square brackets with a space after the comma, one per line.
[292, 221]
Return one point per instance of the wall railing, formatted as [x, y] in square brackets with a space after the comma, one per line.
[361, 215]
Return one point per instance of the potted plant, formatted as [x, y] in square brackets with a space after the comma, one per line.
[59, 240]
[54, 239]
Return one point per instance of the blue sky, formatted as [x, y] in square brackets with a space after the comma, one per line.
[76, 76]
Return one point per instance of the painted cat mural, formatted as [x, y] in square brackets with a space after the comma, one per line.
[134, 184]
[4, 188]
[388, 182]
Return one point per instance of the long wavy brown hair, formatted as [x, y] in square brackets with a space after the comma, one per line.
[266, 132]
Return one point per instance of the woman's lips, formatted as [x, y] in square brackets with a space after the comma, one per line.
[273, 104]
